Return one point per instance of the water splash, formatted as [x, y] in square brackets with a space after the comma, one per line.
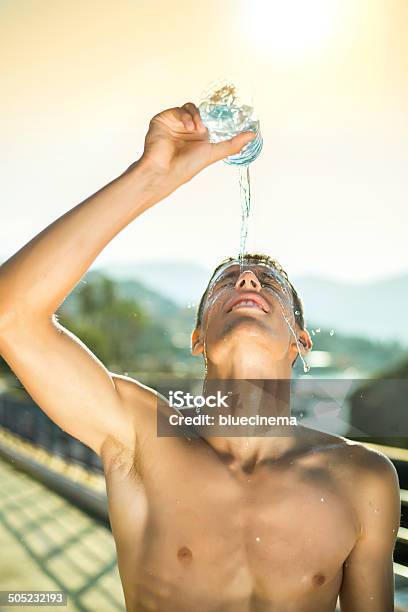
[306, 366]
[226, 113]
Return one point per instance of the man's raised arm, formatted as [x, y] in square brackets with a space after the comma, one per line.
[66, 380]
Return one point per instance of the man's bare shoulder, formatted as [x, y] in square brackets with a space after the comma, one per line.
[357, 457]
[374, 473]
[368, 459]
[369, 473]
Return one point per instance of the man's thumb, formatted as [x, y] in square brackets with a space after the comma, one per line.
[232, 146]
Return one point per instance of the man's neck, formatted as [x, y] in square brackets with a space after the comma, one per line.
[252, 396]
[249, 398]
[248, 366]
[244, 454]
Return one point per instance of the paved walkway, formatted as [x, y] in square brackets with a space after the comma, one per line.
[48, 544]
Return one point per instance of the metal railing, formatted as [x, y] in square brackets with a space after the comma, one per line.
[26, 419]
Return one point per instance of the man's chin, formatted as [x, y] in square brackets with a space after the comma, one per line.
[245, 332]
[247, 325]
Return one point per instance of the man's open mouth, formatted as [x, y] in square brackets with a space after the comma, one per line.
[249, 302]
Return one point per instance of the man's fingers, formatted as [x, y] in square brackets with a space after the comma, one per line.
[176, 114]
[195, 114]
[183, 115]
[187, 120]
[188, 115]
[233, 146]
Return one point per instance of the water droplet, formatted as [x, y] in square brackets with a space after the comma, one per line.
[322, 499]
[332, 332]
[258, 539]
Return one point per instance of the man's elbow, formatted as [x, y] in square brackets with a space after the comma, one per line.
[8, 318]
[12, 320]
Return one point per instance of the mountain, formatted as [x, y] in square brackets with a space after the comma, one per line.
[375, 310]
[165, 328]
[181, 281]
[177, 318]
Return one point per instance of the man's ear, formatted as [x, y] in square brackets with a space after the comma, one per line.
[197, 345]
[304, 340]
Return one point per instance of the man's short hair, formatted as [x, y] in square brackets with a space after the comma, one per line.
[264, 259]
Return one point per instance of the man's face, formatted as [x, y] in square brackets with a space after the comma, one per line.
[251, 305]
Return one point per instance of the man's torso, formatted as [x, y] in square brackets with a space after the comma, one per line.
[194, 530]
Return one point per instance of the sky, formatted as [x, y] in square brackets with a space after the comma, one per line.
[329, 78]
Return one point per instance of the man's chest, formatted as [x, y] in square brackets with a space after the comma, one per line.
[267, 526]
[270, 532]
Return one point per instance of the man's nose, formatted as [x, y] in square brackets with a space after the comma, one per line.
[248, 281]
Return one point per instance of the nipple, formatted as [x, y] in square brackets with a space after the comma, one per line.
[319, 579]
[184, 554]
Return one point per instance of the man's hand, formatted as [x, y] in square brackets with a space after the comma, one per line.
[177, 146]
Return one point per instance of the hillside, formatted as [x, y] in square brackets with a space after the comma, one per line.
[373, 310]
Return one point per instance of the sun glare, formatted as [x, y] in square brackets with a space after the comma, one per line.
[291, 29]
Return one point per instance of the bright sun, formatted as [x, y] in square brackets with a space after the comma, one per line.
[291, 29]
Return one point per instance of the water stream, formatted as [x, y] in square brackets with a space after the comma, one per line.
[245, 194]
[245, 197]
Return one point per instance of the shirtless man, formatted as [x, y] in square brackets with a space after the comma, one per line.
[233, 524]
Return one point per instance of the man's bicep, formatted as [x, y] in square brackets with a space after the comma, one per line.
[68, 382]
[368, 580]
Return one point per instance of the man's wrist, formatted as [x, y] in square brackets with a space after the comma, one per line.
[150, 179]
